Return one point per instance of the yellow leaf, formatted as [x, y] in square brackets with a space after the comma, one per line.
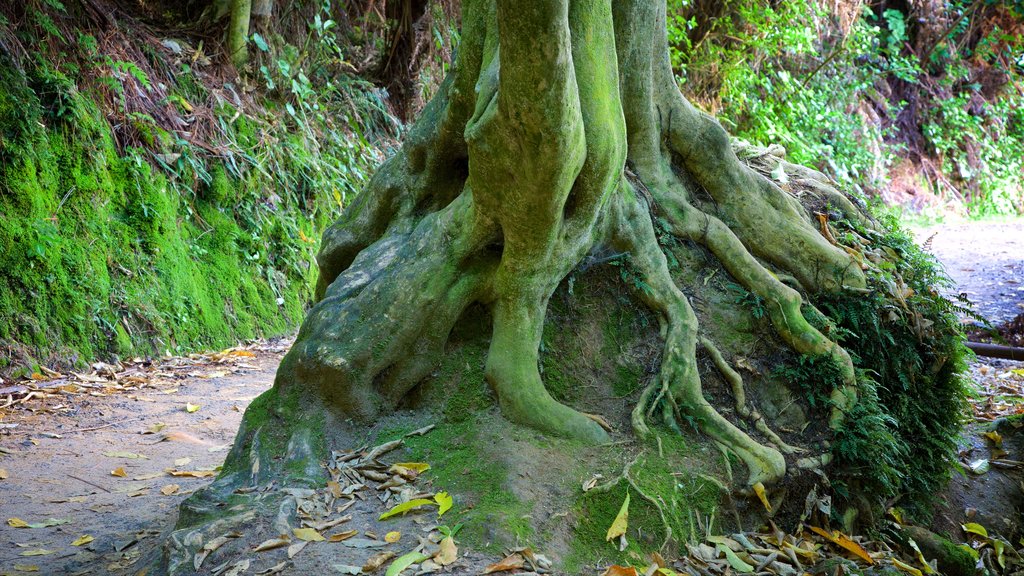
[759, 490]
[420, 467]
[995, 437]
[130, 455]
[621, 522]
[392, 537]
[4, 475]
[85, 539]
[972, 528]
[405, 507]
[906, 568]
[272, 544]
[36, 552]
[17, 523]
[119, 472]
[308, 534]
[26, 568]
[444, 502]
[920, 557]
[617, 570]
[190, 408]
[342, 536]
[169, 489]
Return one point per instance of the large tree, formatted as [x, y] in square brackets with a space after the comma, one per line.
[560, 133]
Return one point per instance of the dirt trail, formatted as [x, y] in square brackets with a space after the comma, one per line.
[59, 454]
[986, 260]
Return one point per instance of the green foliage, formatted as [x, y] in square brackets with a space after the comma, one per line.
[853, 99]
[906, 343]
[114, 220]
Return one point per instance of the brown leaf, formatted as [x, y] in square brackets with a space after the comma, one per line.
[377, 560]
[617, 570]
[510, 562]
[169, 489]
[341, 536]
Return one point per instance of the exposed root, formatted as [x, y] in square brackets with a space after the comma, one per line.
[658, 505]
[742, 408]
[634, 231]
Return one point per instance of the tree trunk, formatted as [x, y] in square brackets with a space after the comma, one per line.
[559, 132]
[238, 32]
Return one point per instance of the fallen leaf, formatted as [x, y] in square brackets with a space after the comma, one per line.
[404, 561]
[621, 522]
[844, 541]
[129, 455]
[735, 561]
[148, 476]
[182, 462]
[616, 570]
[190, 408]
[511, 562]
[276, 569]
[169, 489]
[192, 473]
[308, 534]
[995, 437]
[419, 467]
[296, 548]
[272, 544]
[906, 567]
[4, 475]
[236, 568]
[979, 466]
[119, 472]
[406, 507]
[36, 552]
[26, 568]
[211, 547]
[342, 536]
[759, 490]
[448, 552]
[81, 540]
[19, 523]
[154, 428]
[972, 528]
[377, 560]
[444, 503]
[392, 537]
[363, 543]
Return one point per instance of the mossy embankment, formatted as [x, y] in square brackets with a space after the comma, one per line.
[153, 201]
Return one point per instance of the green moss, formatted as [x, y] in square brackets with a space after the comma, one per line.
[106, 256]
[492, 516]
[672, 479]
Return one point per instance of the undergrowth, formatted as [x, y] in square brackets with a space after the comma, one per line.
[906, 342]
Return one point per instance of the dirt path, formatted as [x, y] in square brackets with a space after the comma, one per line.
[986, 260]
[64, 456]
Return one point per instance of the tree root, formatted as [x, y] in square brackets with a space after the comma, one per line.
[678, 385]
[736, 383]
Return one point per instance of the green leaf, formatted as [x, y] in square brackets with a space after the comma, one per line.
[972, 528]
[734, 560]
[406, 506]
[404, 561]
[260, 42]
[444, 502]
